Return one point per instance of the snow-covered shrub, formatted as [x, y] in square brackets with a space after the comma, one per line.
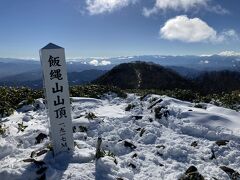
[21, 127]
[3, 130]
[129, 107]
[160, 112]
[90, 115]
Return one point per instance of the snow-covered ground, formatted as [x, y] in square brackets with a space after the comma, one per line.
[144, 147]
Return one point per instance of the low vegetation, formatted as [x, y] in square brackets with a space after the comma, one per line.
[3, 129]
[14, 98]
[95, 91]
[11, 98]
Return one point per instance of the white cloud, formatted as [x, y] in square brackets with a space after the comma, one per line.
[188, 30]
[104, 62]
[95, 62]
[229, 53]
[204, 62]
[230, 34]
[217, 9]
[184, 5]
[185, 29]
[95, 7]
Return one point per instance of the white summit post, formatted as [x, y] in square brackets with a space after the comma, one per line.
[56, 91]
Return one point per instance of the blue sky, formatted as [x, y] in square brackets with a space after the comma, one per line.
[90, 28]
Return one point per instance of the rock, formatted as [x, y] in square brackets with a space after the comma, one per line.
[40, 138]
[27, 118]
[132, 165]
[39, 104]
[234, 175]
[134, 155]
[142, 131]
[213, 155]
[137, 117]
[161, 146]
[29, 160]
[159, 154]
[143, 98]
[26, 108]
[155, 103]
[44, 151]
[160, 164]
[129, 144]
[191, 169]
[222, 142]
[118, 178]
[194, 144]
[150, 119]
[192, 174]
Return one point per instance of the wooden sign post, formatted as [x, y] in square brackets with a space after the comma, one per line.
[57, 95]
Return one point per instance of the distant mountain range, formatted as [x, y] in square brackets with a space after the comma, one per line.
[28, 72]
[34, 79]
[10, 67]
[201, 63]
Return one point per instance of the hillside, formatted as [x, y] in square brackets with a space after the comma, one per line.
[157, 137]
[142, 75]
[218, 81]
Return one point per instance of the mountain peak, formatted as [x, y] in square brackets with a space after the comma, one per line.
[142, 75]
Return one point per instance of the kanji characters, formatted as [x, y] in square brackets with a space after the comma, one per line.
[57, 89]
[60, 113]
[53, 61]
[59, 102]
[64, 144]
[56, 74]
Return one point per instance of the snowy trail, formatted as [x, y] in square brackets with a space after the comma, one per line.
[160, 148]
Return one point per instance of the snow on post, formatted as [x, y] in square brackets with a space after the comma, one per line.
[57, 95]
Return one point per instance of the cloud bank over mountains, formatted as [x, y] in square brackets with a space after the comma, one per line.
[96, 62]
[229, 53]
